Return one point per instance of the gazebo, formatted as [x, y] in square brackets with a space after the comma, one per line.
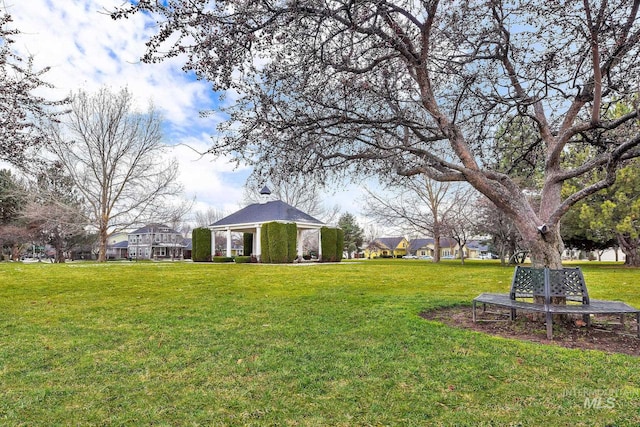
[251, 218]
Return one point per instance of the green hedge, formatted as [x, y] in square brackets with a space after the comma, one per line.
[247, 241]
[332, 242]
[278, 241]
[339, 244]
[222, 259]
[242, 259]
[201, 244]
[264, 243]
[292, 240]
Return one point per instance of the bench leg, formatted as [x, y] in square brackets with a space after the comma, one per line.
[638, 323]
[622, 319]
[513, 314]
[586, 318]
[549, 322]
[474, 312]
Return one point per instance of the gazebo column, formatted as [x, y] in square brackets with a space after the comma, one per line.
[228, 242]
[319, 243]
[300, 243]
[257, 242]
[213, 243]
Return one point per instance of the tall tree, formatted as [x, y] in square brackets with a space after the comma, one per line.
[492, 222]
[115, 157]
[411, 87]
[617, 212]
[54, 211]
[353, 233]
[417, 205]
[13, 198]
[24, 112]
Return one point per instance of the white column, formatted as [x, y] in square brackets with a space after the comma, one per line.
[299, 239]
[319, 243]
[256, 242]
[228, 242]
[213, 243]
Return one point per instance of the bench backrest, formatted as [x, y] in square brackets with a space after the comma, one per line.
[566, 282]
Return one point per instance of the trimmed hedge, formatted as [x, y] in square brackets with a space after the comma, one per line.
[292, 240]
[247, 241]
[243, 259]
[201, 244]
[339, 244]
[264, 243]
[278, 241]
[222, 259]
[332, 242]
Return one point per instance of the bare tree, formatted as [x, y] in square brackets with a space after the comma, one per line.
[375, 86]
[460, 223]
[24, 113]
[501, 230]
[115, 156]
[207, 217]
[417, 205]
[53, 212]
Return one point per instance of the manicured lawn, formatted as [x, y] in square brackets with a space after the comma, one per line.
[341, 345]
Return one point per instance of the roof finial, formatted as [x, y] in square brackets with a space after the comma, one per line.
[265, 195]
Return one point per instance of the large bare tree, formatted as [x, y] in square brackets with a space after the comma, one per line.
[412, 87]
[115, 156]
[415, 204]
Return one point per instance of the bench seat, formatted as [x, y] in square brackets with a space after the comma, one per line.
[528, 281]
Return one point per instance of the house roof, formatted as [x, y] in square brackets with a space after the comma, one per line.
[390, 242]
[154, 228]
[120, 245]
[276, 210]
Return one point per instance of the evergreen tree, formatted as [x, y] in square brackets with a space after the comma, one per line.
[353, 234]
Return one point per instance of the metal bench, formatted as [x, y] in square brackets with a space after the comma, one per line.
[530, 285]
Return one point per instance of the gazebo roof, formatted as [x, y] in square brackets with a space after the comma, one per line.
[260, 213]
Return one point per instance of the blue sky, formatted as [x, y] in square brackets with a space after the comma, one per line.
[86, 49]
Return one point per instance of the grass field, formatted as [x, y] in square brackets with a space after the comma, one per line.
[342, 345]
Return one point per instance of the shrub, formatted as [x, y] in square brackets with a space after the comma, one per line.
[243, 259]
[264, 243]
[339, 244]
[292, 240]
[328, 242]
[278, 243]
[201, 244]
[247, 241]
[222, 259]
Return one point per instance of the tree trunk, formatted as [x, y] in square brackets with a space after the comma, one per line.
[630, 247]
[436, 242]
[102, 251]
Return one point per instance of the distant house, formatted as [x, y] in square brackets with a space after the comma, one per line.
[117, 246]
[449, 248]
[156, 241]
[387, 247]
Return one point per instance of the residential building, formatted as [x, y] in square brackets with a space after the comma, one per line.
[117, 246]
[156, 241]
[387, 247]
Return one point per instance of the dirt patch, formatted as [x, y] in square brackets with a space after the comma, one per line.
[606, 332]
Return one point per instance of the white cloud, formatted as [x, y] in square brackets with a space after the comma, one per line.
[86, 49]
